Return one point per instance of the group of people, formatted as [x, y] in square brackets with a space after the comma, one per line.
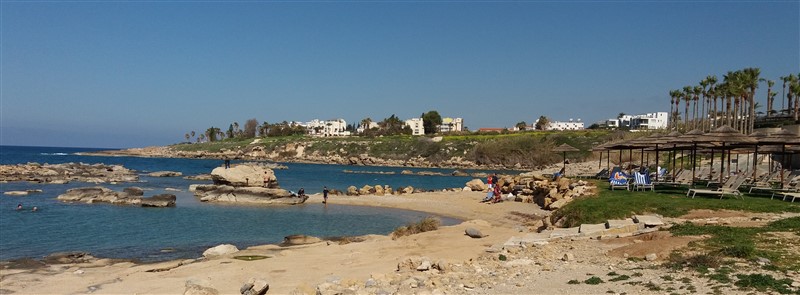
[494, 195]
[20, 208]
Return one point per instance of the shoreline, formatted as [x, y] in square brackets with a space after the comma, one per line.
[496, 225]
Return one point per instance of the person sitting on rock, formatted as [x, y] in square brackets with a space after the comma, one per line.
[301, 192]
[559, 174]
[497, 195]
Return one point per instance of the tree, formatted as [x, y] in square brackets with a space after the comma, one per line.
[186, 136]
[620, 115]
[687, 97]
[712, 81]
[522, 125]
[250, 127]
[230, 131]
[431, 121]
[541, 124]
[192, 133]
[696, 91]
[674, 99]
[770, 96]
[751, 77]
[263, 129]
[211, 134]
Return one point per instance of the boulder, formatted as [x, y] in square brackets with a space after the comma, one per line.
[165, 174]
[387, 190]
[199, 287]
[459, 173]
[16, 193]
[260, 195]
[300, 240]
[254, 286]
[476, 185]
[245, 175]
[133, 191]
[474, 233]
[220, 250]
[199, 177]
[409, 189]
[379, 190]
[98, 194]
[365, 190]
[162, 200]
[352, 191]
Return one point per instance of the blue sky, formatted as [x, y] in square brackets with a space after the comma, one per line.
[131, 74]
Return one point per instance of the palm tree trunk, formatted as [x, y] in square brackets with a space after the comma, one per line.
[686, 116]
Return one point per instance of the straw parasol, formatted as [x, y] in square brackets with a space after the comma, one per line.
[783, 137]
[564, 148]
[727, 135]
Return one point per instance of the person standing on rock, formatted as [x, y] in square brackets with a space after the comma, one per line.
[227, 163]
[266, 178]
[489, 181]
[325, 195]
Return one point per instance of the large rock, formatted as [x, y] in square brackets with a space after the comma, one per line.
[66, 172]
[225, 193]
[165, 174]
[300, 240]
[352, 191]
[250, 175]
[98, 194]
[220, 250]
[162, 200]
[476, 185]
[254, 286]
[199, 287]
[365, 190]
[133, 191]
[474, 233]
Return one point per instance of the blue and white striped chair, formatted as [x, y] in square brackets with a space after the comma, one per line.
[618, 179]
[642, 181]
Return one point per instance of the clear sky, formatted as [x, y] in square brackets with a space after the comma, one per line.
[131, 74]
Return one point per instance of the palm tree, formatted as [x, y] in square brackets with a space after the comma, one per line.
[674, 99]
[687, 97]
[186, 136]
[712, 80]
[785, 80]
[696, 91]
[770, 83]
[790, 97]
[751, 77]
[703, 120]
[794, 91]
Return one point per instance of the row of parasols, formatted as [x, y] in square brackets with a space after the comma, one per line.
[724, 140]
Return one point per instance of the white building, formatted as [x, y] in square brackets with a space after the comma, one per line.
[451, 124]
[571, 125]
[647, 121]
[417, 128]
[335, 127]
[361, 128]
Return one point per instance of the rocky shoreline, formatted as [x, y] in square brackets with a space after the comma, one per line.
[66, 172]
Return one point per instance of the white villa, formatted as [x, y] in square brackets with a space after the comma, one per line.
[335, 127]
[571, 125]
[361, 128]
[417, 128]
[647, 121]
[451, 124]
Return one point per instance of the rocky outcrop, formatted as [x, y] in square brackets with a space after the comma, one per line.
[99, 194]
[245, 175]
[254, 286]
[66, 172]
[258, 195]
[129, 196]
[220, 250]
[165, 174]
[22, 193]
[294, 240]
[199, 177]
[535, 188]
[162, 200]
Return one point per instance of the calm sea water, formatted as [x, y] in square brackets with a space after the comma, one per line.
[154, 234]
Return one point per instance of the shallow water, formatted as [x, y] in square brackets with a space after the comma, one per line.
[154, 234]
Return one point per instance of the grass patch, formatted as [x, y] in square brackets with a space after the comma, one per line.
[652, 287]
[594, 281]
[574, 282]
[763, 283]
[670, 202]
[424, 225]
[250, 257]
[502, 257]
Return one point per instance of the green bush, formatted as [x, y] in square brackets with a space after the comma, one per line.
[424, 225]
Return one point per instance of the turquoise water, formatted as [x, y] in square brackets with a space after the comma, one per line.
[154, 234]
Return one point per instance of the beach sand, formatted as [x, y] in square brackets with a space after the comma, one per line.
[300, 269]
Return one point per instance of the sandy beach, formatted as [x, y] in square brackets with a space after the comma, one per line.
[470, 268]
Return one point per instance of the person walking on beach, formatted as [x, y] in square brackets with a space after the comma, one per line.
[325, 195]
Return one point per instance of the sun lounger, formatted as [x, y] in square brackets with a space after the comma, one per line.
[787, 183]
[642, 181]
[682, 178]
[618, 179]
[731, 187]
[790, 194]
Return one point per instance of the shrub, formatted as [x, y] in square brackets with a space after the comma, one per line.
[424, 225]
[593, 281]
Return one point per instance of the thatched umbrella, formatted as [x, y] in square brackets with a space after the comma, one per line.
[783, 137]
[727, 135]
[564, 148]
[691, 137]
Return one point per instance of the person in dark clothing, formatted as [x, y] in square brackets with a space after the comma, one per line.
[325, 195]
[301, 192]
[227, 163]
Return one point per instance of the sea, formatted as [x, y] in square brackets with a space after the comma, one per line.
[189, 228]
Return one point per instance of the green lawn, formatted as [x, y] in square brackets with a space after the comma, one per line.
[666, 201]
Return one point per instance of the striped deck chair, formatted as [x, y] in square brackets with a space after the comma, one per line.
[618, 179]
[642, 181]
